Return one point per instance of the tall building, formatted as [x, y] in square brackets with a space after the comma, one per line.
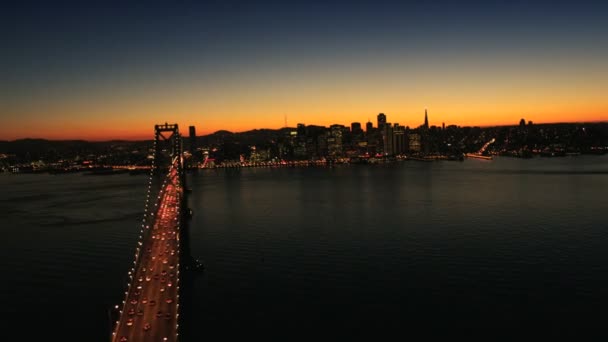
[399, 142]
[192, 130]
[334, 140]
[425, 137]
[316, 141]
[355, 128]
[192, 139]
[381, 137]
[387, 139]
[369, 127]
[381, 121]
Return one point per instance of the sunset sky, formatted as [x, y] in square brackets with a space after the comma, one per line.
[112, 70]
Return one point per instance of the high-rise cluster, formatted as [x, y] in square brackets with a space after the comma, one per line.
[386, 139]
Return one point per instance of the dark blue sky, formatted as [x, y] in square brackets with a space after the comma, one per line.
[61, 49]
[63, 39]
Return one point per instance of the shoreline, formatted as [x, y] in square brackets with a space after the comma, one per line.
[144, 170]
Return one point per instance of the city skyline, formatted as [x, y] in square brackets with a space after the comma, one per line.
[371, 122]
[75, 71]
[174, 170]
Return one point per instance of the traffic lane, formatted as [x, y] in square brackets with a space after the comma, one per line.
[154, 294]
[146, 292]
[163, 244]
[166, 225]
[138, 294]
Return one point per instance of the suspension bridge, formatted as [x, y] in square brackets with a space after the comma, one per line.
[151, 305]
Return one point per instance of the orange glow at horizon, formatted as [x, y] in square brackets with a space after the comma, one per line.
[131, 121]
[135, 129]
[238, 68]
[256, 100]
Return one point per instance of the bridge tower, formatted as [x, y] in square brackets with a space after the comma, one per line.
[167, 143]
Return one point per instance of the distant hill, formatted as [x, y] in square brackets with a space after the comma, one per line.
[35, 149]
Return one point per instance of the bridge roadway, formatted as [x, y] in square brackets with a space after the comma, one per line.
[150, 310]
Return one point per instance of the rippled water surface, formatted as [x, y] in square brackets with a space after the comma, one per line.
[506, 243]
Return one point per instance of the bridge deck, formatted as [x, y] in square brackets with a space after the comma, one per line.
[150, 310]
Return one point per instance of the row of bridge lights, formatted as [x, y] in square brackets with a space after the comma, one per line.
[140, 242]
[178, 218]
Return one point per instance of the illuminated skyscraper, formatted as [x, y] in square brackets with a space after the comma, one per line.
[381, 133]
[334, 140]
[387, 139]
[399, 139]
